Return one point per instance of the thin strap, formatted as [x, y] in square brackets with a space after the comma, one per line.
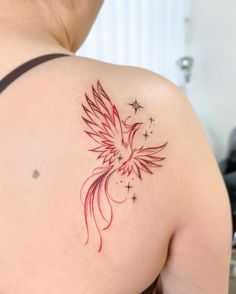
[15, 73]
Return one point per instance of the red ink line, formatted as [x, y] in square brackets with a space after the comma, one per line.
[113, 137]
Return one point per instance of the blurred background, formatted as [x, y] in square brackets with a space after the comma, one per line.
[190, 42]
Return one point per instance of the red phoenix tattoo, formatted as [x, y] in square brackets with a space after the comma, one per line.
[114, 138]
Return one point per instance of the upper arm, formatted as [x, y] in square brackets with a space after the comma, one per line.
[200, 248]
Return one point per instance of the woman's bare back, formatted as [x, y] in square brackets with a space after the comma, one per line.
[100, 191]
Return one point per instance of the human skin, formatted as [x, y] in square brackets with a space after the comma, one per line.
[173, 226]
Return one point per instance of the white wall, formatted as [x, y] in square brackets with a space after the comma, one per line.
[144, 33]
[213, 88]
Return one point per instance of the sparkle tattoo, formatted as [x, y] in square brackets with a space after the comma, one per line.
[128, 187]
[114, 139]
[146, 135]
[151, 120]
[134, 198]
[135, 105]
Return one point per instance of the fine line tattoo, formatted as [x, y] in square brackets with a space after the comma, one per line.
[114, 146]
[128, 187]
[146, 135]
[135, 105]
[151, 119]
[134, 198]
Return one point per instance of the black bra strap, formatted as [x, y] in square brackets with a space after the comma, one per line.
[14, 74]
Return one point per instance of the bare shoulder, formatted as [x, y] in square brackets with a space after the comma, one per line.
[124, 79]
[191, 175]
[199, 250]
[144, 95]
[125, 83]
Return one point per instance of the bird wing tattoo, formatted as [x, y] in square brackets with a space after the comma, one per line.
[114, 140]
[104, 123]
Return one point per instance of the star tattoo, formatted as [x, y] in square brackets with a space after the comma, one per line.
[136, 105]
[128, 187]
[146, 135]
[151, 120]
[134, 198]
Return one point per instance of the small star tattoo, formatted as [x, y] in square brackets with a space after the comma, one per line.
[120, 158]
[128, 187]
[35, 174]
[134, 198]
[151, 120]
[136, 106]
[146, 135]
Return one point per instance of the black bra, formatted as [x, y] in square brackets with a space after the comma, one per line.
[15, 73]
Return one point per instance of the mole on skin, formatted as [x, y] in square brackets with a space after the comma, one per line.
[35, 174]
